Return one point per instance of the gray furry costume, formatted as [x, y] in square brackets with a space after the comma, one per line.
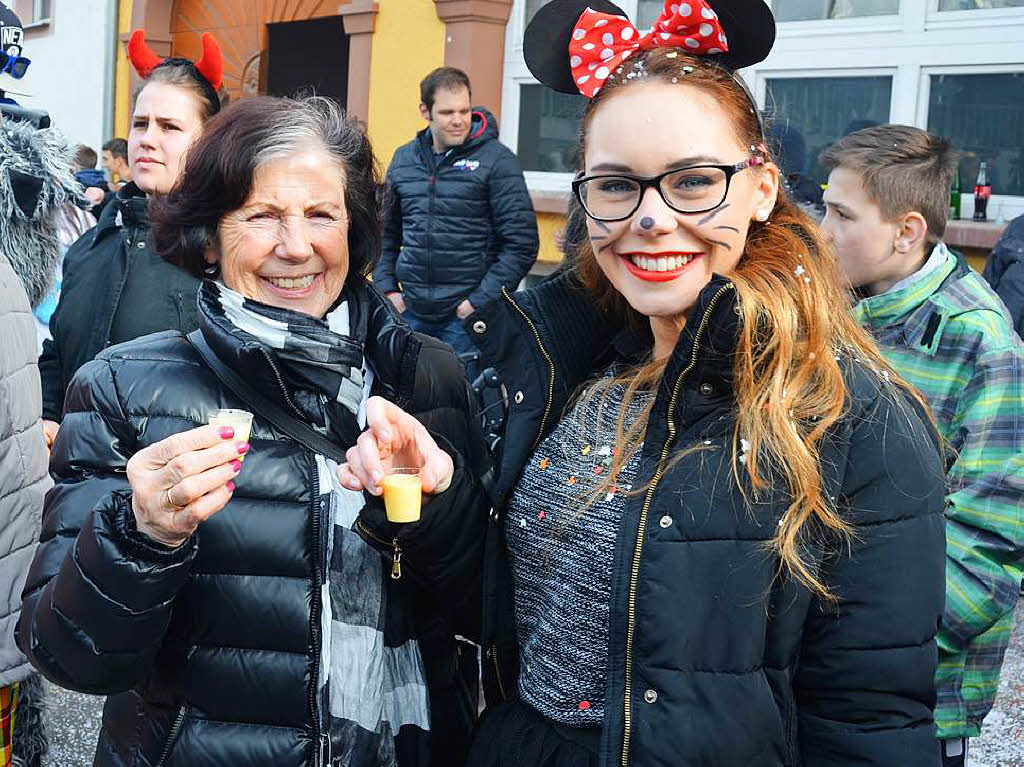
[36, 186]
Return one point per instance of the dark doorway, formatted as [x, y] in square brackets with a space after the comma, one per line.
[308, 56]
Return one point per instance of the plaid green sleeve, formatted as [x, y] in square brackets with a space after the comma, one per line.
[985, 515]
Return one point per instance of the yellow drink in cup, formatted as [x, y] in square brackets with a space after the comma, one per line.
[403, 494]
[239, 420]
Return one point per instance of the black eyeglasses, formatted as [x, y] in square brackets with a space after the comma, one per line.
[698, 189]
[15, 66]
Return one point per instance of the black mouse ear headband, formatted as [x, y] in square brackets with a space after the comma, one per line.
[573, 46]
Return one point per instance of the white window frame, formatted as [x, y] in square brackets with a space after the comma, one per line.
[909, 46]
[937, 19]
[37, 11]
[1003, 206]
[517, 74]
[919, 42]
[764, 75]
[888, 22]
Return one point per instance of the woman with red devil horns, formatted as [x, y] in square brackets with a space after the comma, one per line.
[727, 549]
[115, 287]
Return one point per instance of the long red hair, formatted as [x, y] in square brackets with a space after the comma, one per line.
[794, 329]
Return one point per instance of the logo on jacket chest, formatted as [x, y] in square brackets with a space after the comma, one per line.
[466, 164]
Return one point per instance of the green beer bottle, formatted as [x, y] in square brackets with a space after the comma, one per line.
[954, 197]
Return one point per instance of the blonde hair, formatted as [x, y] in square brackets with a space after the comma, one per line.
[789, 385]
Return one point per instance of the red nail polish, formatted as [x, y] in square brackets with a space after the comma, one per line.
[243, 448]
[226, 432]
[236, 465]
[230, 486]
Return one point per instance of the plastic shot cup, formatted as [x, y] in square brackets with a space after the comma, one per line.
[403, 495]
[239, 420]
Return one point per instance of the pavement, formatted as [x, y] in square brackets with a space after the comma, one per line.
[1002, 735]
[73, 727]
[75, 719]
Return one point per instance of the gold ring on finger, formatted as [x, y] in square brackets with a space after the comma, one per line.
[172, 504]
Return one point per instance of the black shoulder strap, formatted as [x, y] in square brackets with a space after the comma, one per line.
[263, 407]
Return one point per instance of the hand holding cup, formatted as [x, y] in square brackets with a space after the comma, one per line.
[183, 480]
[397, 445]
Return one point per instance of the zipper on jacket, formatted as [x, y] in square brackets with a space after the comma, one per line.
[396, 564]
[432, 186]
[634, 575]
[172, 736]
[280, 383]
[547, 357]
[492, 652]
[393, 545]
[314, 623]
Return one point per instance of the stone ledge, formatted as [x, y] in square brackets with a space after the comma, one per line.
[550, 202]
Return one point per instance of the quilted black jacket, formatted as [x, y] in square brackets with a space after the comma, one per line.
[210, 652]
[714, 661]
[97, 269]
[463, 229]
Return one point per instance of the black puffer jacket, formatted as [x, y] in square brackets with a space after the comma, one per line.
[464, 229]
[210, 652]
[114, 288]
[713, 660]
[1004, 271]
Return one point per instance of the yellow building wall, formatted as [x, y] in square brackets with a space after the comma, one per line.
[408, 42]
[122, 72]
[549, 226]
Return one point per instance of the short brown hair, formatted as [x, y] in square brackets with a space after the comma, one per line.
[118, 147]
[448, 78]
[903, 169]
[84, 157]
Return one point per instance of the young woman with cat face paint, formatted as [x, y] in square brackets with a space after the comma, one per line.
[710, 478]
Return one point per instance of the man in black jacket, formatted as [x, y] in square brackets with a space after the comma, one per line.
[460, 225]
[1004, 271]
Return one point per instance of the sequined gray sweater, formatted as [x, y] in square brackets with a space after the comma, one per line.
[561, 541]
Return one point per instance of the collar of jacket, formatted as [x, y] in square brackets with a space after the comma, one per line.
[127, 209]
[894, 306]
[387, 340]
[484, 128]
[706, 348]
[578, 335]
[706, 343]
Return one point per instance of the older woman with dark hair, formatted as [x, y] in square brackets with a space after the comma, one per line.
[265, 614]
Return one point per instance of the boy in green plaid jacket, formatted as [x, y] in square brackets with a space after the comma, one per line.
[947, 333]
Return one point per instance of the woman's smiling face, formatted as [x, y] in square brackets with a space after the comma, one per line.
[660, 259]
[287, 246]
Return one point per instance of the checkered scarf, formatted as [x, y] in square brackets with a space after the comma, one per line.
[371, 672]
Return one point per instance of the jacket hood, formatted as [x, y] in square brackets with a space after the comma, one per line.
[36, 184]
[483, 128]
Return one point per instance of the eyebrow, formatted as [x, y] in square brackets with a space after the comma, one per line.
[266, 204]
[838, 206]
[157, 118]
[684, 162]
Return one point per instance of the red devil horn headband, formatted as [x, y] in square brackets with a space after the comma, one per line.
[210, 66]
[141, 55]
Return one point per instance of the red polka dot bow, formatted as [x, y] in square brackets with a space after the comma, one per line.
[601, 42]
